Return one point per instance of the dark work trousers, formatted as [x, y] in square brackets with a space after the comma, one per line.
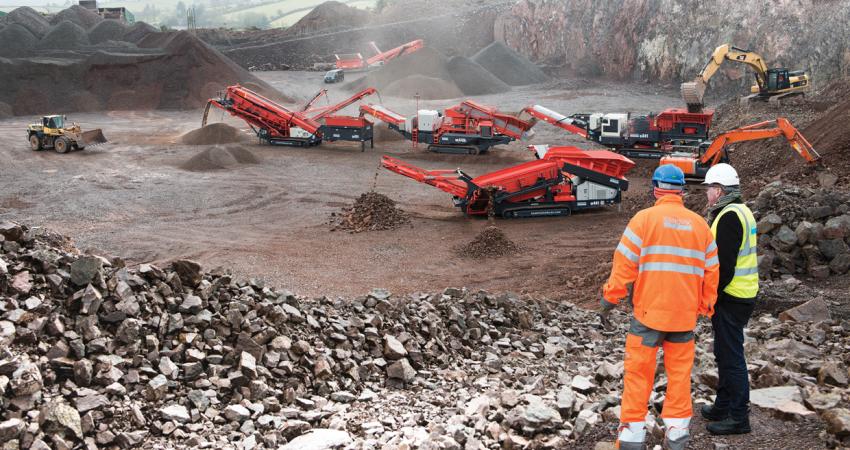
[733, 388]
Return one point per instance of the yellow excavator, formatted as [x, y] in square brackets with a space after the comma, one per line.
[54, 132]
[771, 84]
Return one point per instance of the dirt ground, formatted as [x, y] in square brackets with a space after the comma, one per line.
[131, 198]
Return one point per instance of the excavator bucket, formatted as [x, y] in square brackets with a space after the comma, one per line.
[693, 93]
[93, 137]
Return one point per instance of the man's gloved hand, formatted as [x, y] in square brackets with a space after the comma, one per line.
[605, 308]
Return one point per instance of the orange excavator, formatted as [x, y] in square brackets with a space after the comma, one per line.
[709, 153]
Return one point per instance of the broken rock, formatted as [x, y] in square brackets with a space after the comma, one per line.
[814, 310]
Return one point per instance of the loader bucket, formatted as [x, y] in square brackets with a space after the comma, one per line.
[93, 137]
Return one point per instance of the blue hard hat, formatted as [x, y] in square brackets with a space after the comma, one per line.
[668, 174]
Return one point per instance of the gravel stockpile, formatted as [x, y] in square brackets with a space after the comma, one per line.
[432, 75]
[472, 79]
[24, 41]
[83, 17]
[220, 158]
[107, 30]
[491, 242]
[428, 88]
[508, 65]
[214, 133]
[370, 212]
[64, 72]
[138, 31]
[29, 19]
[65, 36]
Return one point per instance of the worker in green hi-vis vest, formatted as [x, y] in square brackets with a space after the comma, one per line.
[734, 229]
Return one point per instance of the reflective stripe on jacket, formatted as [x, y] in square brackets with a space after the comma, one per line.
[669, 253]
[745, 283]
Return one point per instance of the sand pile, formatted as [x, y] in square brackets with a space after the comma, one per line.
[432, 75]
[508, 65]
[491, 242]
[329, 15]
[23, 40]
[107, 30]
[83, 17]
[214, 133]
[29, 19]
[220, 158]
[65, 36]
[473, 79]
[370, 212]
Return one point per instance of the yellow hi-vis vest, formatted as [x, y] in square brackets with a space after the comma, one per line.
[745, 283]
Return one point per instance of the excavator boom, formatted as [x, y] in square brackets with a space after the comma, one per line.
[695, 167]
[769, 82]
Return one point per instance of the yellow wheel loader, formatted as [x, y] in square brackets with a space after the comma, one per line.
[771, 83]
[53, 132]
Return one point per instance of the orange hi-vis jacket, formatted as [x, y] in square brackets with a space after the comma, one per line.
[669, 253]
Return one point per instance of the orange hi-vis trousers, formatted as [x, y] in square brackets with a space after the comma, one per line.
[641, 347]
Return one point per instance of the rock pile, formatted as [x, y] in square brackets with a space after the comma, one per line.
[803, 230]
[370, 212]
[491, 242]
[97, 354]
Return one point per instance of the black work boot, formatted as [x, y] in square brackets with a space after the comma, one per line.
[729, 425]
[709, 412]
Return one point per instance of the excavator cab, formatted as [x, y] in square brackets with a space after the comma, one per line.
[778, 79]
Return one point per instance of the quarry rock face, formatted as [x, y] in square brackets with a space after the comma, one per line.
[669, 40]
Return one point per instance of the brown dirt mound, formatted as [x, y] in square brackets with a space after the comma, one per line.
[819, 117]
[215, 133]
[491, 242]
[78, 15]
[24, 41]
[220, 158]
[107, 30]
[29, 19]
[329, 15]
[370, 212]
[473, 79]
[508, 65]
[428, 88]
[65, 36]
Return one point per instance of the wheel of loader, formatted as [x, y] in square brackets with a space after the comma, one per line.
[62, 144]
[35, 143]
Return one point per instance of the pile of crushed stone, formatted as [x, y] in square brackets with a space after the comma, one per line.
[508, 65]
[220, 158]
[491, 242]
[430, 74]
[370, 212]
[214, 133]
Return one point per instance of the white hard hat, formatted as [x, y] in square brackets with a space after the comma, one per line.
[722, 174]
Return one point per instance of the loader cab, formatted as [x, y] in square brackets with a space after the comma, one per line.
[53, 122]
[778, 79]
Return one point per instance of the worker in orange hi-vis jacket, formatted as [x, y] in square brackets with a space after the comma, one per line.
[668, 256]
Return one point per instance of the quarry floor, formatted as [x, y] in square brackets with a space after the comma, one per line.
[130, 198]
